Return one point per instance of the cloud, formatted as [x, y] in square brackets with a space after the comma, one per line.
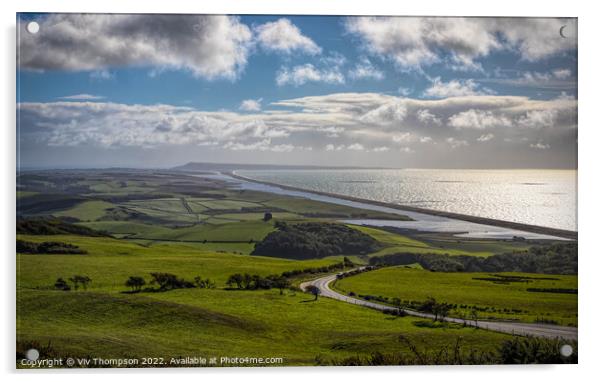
[82, 97]
[283, 36]
[365, 70]
[356, 147]
[454, 88]
[455, 143]
[426, 117]
[388, 113]
[562, 73]
[263, 145]
[540, 146]
[331, 147]
[380, 149]
[415, 42]
[251, 105]
[360, 122]
[478, 119]
[302, 74]
[207, 46]
[101, 75]
[485, 137]
[331, 131]
[536, 119]
[557, 78]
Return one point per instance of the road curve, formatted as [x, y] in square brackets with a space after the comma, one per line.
[516, 328]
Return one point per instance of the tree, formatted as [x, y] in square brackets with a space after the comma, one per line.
[247, 281]
[475, 316]
[441, 310]
[281, 283]
[136, 283]
[204, 283]
[347, 262]
[165, 280]
[61, 284]
[83, 280]
[237, 279]
[314, 290]
[396, 301]
[267, 216]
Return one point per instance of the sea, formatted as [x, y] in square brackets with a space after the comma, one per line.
[545, 198]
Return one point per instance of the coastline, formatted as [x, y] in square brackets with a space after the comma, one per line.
[566, 234]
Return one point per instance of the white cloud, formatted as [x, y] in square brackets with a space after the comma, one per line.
[83, 97]
[478, 119]
[207, 46]
[454, 88]
[485, 137]
[404, 91]
[414, 42]
[537, 119]
[388, 113]
[540, 146]
[562, 73]
[360, 121]
[365, 70]
[558, 78]
[455, 143]
[283, 36]
[263, 145]
[426, 117]
[101, 75]
[331, 131]
[302, 74]
[251, 105]
[331, 147]
[380, 149]
[356, 147]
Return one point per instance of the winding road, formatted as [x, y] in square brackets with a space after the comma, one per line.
[516, 328]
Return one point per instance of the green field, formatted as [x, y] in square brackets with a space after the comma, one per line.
[191, 226]
[470, 289]
[103, 321]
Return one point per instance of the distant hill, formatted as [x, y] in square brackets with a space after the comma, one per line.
[206, 166]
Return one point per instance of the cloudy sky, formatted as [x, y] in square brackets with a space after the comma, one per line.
[162, 90]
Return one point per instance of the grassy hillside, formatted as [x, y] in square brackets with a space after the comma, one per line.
[502, 298]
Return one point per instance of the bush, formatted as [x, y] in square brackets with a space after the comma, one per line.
[48, 247]
[61, 284]
[136, 283]
[168, 281]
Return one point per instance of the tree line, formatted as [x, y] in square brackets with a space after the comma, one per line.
[560, 258]
[49, 247]
[162, 282]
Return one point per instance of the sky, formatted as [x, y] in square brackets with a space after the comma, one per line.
[396, 92]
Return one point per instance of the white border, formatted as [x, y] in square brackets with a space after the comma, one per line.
[589, 180]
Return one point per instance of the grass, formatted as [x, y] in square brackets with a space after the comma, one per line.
[104, 322]
[466, 289]
[312, 207]
[199, 322]
[259, 216]
[110, 262]
[396, 243]
[87, 211]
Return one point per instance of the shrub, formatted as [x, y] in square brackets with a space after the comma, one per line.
[61, 284]
[136, 283]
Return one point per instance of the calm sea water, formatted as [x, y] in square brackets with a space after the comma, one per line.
[541, 197]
